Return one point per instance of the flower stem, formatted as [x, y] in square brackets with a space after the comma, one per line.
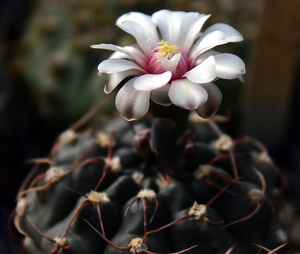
[169, 133]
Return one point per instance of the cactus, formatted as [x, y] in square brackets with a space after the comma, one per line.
[167, 182]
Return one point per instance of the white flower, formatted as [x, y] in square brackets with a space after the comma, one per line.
[172, 62]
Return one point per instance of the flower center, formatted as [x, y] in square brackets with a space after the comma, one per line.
[165, 50]
[163, 58]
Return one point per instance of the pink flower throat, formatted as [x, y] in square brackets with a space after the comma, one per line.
[167, 51]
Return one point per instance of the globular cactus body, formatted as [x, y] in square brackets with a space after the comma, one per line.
[126, 214]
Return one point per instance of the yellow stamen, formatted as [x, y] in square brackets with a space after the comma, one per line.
[166, 50]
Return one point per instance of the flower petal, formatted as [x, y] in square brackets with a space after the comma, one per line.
[141, 27]
[170, 65]
[187, 94]
[229, 66]
[205, 55]
[179, 28]
[132, 104]
[160, 95]
[210, 107]
[207, 42]
[109, 46]
[119, 55]
[110, 66]
[168, 23]
[232, 35]
[149, 82]
[204, 72]
[190, 29]
[129, 52]
[115, 79]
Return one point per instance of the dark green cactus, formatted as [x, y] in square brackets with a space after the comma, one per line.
[133, 198]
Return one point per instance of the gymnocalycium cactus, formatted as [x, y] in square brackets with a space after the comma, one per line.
[179, 184]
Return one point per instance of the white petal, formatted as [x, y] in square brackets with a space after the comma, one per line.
[141, 27]
[132, 104]
[129, 52]
[187, 94]
[208, 41]
[190, 28]
[232, 35]
[204, 72]
[210, 107]
[119, 55]
[116, 65]
[160, 95]
[168, 23]
[179, 28]
[170, 65]
[149, 82]
[205, 55]
[115, 79]
[229, 66]
[107, 46]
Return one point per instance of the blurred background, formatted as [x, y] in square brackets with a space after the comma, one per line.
[48, 77]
